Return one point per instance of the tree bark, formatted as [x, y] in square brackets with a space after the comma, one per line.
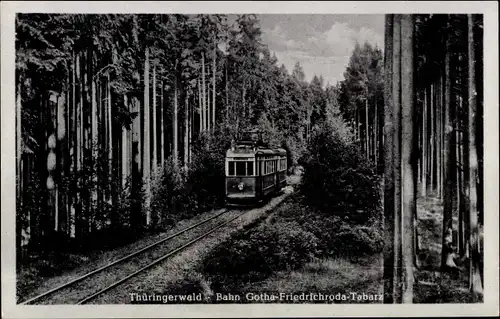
[204, 92]
[367, 140]
[80, 210]
[200, 105]
[51, 182]
[110, 131]
[438, 138]
[460, 172]
[227, 93]
[186, 129]
[147, 143]
[389, 221]
[95, 140]
[213, 83]
[125, 147]
[21, 230]
[424, 147]
[431, 184]
[375, 140]
[408, 157]
[155, 129]
[474, 277]
[62, 153]
[135, 214]
[73, 139]
[162, 129]
[449, 161]
[397, 159]
[175, 124]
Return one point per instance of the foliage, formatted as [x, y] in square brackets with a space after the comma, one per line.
[338, 180]
[251, 90]
[182, 192]
[256, 253]
[292, 236]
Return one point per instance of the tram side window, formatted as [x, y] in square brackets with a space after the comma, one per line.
[231, 168]
[250, 168]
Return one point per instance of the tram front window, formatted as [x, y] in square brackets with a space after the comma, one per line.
[240, 168]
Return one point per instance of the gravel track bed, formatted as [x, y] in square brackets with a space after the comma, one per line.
[89, 285]
[183, 264]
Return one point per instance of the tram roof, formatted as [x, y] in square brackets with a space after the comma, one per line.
[245, 152]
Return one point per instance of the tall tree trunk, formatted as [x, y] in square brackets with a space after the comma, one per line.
[227, 93]
[110, 134]
[51, 183]
[80, 210]
[162, 129]
[204, 92]
[147, 143]
[367, 141]
[424, 147]
[449, 160]
[95, 141]
[72, 151]
[375, 140]
[62, 152]
[465, 168]
[135, 214]
[474, 277]
[397, 158]
[22, 232]
[408, 157]
[155, 133]
[200, 105]
[186, 129]
[441, 135]
[208, 100]
[213, 83]
[431, 184]
[460, 183]
[88, 129]
[438, 138]
[125, 147]
[175, 124]
[389, 163]
[73, 139]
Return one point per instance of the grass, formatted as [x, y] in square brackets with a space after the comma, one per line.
[345, 280]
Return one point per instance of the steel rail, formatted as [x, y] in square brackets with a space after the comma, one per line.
[127, 257]
[157, 261]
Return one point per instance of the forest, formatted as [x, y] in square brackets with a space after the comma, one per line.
[106, 114]
[123, 121]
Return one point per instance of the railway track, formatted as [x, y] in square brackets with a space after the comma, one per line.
[82, 289]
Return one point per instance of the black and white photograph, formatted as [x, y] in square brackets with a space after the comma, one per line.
[164, 156]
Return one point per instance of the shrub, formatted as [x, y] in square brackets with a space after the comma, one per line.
[339, 180]
[336, 235]
[166, 192]
[255, 254]
[356, 241]
[206, 179]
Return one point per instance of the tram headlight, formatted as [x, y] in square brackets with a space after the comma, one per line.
[240, 186]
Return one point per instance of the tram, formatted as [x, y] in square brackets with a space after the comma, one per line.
[253, 172]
